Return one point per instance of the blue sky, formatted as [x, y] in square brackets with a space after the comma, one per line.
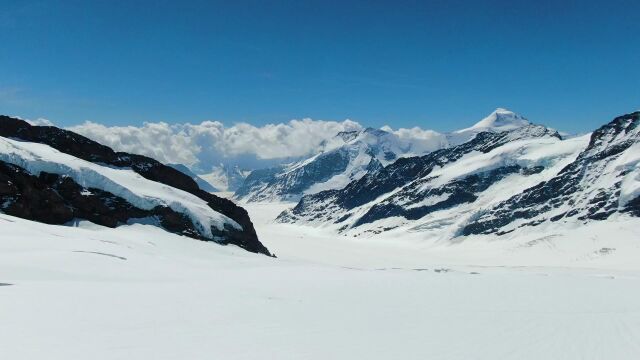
[442, 65]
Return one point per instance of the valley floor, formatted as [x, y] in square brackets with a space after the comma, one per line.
[137, 292]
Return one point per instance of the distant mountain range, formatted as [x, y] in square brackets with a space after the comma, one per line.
[351, 155]
[501, 175]
[345, 158]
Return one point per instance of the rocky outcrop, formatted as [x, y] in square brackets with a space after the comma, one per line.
[86, 149]
[55, 199]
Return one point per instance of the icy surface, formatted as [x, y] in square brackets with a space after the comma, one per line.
[137, 190]
[137, 292]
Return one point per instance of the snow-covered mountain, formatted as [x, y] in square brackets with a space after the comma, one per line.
[225, 177]
[55, 176]
[604, 180]
[350, 155]
[492, 184]
[345, 158]
[498, 121]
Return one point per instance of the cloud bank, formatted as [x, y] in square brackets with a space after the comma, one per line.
[202, 146]
[206, 145]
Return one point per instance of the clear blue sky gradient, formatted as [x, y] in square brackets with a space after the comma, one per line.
[442, 65]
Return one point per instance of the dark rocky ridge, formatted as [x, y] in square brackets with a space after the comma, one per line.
[86, 149]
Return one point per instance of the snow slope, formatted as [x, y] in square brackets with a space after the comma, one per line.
[137, 292]
[140, 192]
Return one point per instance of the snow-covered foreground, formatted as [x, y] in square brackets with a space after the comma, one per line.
[606, 245]
[137, 292]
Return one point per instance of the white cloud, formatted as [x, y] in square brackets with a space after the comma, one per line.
[206, 145]
[160, 141]
[422, 141]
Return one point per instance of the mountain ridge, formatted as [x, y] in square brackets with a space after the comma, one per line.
[85, 149]
[492, 184]
[338, 162]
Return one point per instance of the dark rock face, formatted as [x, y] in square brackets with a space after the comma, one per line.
[55, 199]
[84, 148]
[573, 192]
[454, 193]
[25, 196]
[410, 174]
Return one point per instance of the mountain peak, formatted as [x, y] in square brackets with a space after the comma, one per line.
[501, 120]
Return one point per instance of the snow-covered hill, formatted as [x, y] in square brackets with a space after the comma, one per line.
[492, 184]
[56, 176]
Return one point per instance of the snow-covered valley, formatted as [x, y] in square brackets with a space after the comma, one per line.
[407, 283]
[319, 180]
[138, 292]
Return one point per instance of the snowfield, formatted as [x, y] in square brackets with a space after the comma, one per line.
[138, 292]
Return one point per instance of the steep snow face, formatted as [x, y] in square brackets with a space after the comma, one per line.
[347, 157]
[125, 183]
